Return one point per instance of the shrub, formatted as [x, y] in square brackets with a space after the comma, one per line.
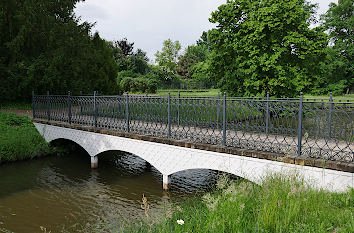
[140, 84]
[127, 84]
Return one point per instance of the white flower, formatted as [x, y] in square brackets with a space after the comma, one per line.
[180, 221]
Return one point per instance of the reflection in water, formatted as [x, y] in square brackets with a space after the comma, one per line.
[63, 194]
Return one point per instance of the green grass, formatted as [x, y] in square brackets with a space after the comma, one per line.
[16, 106]
[214, 93]
[279, 205]
[19, 139]
[326, 97]
[196, 93]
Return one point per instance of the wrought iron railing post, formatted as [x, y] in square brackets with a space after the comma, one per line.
[127, 112]
[267, 114]
[224, 121]
[33, 106]
[95, 108]
[299, 134]
[69, 107]
[80, 102]
[179, 108]
[218, 110]
[48, 106]
[330, 115]
[169, 116]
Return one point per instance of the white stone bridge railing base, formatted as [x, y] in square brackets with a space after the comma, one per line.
[169, 159]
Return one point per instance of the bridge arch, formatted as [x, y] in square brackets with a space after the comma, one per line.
[94, 154]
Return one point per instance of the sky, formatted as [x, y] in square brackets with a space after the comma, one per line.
[148, 23]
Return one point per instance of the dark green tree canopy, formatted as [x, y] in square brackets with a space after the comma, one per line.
[267, 45]
[44, 47]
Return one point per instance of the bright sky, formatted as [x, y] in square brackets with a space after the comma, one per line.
[148, 23]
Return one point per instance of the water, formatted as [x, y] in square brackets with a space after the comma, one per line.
[63, 194]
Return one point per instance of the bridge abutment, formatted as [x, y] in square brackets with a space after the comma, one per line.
[94, 162]
[166, 180]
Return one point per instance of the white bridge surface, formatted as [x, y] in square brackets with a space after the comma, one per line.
[169, 159]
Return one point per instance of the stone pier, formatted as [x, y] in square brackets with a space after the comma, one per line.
[94, 161]
[166, 180]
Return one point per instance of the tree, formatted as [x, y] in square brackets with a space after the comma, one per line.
[138, 62]
[168, 57]
[193, 55]
[338, 68]
[127, 59]
[204, 41]
[267, 45]
[43, 47]
[125, 47]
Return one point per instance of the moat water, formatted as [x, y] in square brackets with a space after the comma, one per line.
[63, 194]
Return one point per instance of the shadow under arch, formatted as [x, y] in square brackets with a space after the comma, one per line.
[70, 145]
[126, 160]
[238, 175]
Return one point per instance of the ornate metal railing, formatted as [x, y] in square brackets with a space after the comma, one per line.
[295, 127]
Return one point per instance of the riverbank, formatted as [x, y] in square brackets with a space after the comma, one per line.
[19, 139]
[279, 205]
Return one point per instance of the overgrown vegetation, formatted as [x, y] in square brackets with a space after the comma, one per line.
[19, 139]
[281, 204]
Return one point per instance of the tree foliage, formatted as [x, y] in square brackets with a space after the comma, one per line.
[125, 47]
[267, 45]
[44, 47]
[127, 59]
[138, 62]
[168, 57]
[204, 40]
[193, 55]
[338, 67]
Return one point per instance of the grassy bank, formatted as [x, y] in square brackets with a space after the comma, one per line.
[279, 205]
[19, 138]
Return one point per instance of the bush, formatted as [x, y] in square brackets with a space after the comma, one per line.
[152, 85]
[141, 84]
[127, 84]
